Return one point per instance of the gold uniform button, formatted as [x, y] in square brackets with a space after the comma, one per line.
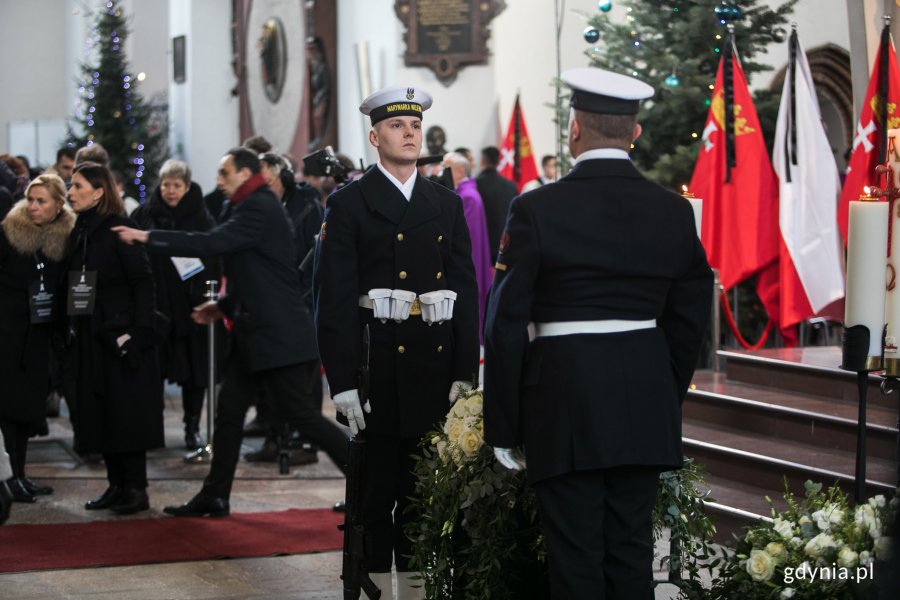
[399, 237]
[440, 238]
[402, 274]
[440, 348]
[401, 349]
[439, 275]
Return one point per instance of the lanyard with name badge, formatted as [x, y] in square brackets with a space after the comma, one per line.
[40, 301]
[82, 288]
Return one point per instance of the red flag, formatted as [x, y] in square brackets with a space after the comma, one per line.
[516, 158]
[740, 214]
[870, 138]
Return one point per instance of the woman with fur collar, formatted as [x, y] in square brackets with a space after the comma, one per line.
[34, 239]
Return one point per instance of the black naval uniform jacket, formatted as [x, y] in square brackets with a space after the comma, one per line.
[602, 243]
[373, 238]
[272, 325]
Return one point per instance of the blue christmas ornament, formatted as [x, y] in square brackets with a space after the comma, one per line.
[672, 81]
[604, 5]
[591, 35]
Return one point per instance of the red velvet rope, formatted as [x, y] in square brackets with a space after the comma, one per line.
[737, 334]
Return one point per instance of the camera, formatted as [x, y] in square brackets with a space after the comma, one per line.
[324, 163]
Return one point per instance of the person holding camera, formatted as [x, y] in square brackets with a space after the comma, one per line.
[256, 243]
[393, 249]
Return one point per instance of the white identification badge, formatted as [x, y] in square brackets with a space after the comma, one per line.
[187, 267]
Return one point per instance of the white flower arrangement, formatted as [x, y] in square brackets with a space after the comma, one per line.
[820, 547]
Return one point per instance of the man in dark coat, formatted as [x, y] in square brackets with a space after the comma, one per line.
[392, 230]
[609, 268]
[274, 345]
[496, 193]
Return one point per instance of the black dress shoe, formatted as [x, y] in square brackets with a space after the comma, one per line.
[132, 500]
[110, 497]
[200, 505]
[339, 506]
[36, 489]
[19, 492]
[6, 500]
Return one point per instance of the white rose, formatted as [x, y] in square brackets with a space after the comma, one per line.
[442, 449]
[474, 404]
[828, 516]
[454, 429]
[847, 557]
[776, 551]
[760, 565]
[470, 442]
[796, 542]
[819, 543]
[882, 548]
[877, 501]
[783, 528]
[788, 593]
[865, 558]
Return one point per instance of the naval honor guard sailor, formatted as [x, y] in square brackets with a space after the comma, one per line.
[609, 268]
[394, 254]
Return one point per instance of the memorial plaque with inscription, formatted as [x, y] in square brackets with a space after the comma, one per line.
[447, 34]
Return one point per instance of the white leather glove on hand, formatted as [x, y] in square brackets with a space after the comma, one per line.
[347, 404]
[510, 458]
[459, 388]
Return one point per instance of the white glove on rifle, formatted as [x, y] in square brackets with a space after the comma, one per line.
[459, 388]
[510, 458]
[347, 404]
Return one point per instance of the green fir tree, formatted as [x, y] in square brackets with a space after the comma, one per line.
[662, 41]
[112, 112]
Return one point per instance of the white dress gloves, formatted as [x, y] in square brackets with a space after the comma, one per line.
[510, 458]
[347, 404]
[459, 388]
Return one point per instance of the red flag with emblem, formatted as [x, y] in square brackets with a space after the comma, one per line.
[516, 158]
[734, 177]
[870, 137]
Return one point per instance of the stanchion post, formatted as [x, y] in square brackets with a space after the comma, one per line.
[716, 325]
[204, 454]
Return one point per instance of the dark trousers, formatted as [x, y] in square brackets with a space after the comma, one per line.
[599, 532]
[284, 386]
[127, 469]
[192, 401]
[387, 483]
[15, 439]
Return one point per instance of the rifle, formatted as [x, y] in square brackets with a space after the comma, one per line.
[354, 570]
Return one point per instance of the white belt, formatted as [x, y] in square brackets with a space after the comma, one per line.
[576, 327]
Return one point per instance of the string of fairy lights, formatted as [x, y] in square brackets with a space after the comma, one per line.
[725, 13]
[85, 105]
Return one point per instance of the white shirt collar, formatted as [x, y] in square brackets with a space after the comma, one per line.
[405, 188]
[602, 153]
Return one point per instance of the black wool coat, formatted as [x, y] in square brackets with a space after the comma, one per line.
[25, 347]
[183, 354]
[272, 326]
[601, 243]
[373, 238]
[496, 193]
[301, 201]
[116, 400]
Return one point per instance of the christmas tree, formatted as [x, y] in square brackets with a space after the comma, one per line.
[675, 46]
[112, 113]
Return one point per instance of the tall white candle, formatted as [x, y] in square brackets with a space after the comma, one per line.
[697, 205]
[866, 250]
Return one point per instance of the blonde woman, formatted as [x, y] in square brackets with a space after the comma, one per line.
[34, 239]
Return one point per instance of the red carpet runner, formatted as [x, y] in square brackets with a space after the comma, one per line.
[143, 541]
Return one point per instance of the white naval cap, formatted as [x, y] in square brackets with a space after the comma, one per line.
[398, 100]
[601, 91]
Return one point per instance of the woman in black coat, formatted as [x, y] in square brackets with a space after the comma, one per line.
[112, 380]
[34, 238]
[178, 205]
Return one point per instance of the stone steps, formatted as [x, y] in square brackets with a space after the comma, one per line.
[784, 413]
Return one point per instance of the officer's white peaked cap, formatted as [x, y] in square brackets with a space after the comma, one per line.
[398, 100]
[601, 91]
